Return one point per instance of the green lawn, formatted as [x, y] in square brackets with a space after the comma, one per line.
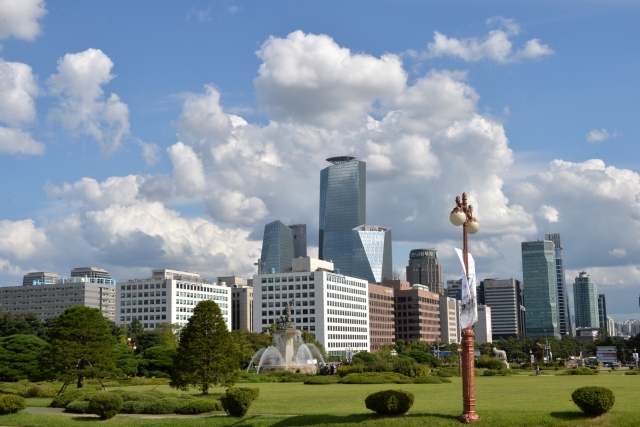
[517, 400]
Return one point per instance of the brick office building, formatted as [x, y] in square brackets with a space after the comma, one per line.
[417, 312]
[381, 316]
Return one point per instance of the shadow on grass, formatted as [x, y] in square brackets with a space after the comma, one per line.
[307, 420]
[568, 415]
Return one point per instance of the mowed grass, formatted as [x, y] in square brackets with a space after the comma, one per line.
[501, 401]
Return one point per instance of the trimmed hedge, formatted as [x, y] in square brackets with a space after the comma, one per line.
[62, 400]
[199, 406]
[376, 378]
[133, 407]
[40, 390]
[105, 405]
[10, 404]
[132, 396]
[390, 402]
[77, 407]
[593, 401]
[580, 371]
[428, 379]
[329, 379]
[494, 372]
[236, 401]
[162, 406]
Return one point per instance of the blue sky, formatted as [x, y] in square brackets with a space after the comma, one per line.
[529, 106]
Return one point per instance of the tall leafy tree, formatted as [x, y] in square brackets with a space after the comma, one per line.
[19, 356]
[157, 361]
[126, 362]
[81, 345]
[207, 354]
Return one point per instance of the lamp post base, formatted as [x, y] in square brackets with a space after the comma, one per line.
[468, 418]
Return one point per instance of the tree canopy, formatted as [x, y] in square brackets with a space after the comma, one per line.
[19, 357]
[207, 354]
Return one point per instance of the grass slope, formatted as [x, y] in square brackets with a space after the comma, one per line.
[501, 401]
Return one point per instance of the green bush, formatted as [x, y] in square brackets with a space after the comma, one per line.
[77, 407]
[40, 390]
[156, 393]
[365, 357]
[105, 405]
[491, 373]
[199, 406]
[135, 396]
[429, 379]
[514, 366]
[593, 401]
[390, 402]
[376, 378]
[329, 379]
[236, 401]
[346, 370]
[62, 400]
[10, 404]
[580, 371]
[162, 406]
[487, 362]
[409, 368]
[133, 407]
[632, 373]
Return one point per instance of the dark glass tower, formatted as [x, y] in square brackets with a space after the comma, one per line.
[277, 248]
[602, 311]
[564, 311]
[539, 274]
[425, 269]
[299, 240]
[343, 203]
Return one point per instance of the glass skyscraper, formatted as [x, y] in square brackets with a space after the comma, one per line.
[371, 256]
[585, 298]
[277, 248]
[564, 311]
[343, 203]
[540, 288]
[299, 240]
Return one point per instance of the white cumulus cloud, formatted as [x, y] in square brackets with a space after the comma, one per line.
[16, 141]
[18, 88]
[549, 213]
[598, 135]
[19, 18]
[187, 169]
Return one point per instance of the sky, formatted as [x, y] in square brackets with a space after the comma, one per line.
[142, 135]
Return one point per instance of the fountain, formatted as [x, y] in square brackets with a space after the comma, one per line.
[289, 352]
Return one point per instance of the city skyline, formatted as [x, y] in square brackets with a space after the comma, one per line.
[126, 145]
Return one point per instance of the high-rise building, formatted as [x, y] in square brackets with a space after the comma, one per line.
[168, 296]
[47, 295]
[602, 311]
[425, 269]
[277, 248]
[343, 203]
[564, 311]
[482, 328]
[417, 312]
[371, 256]
[241, 307]
[449, 315]
[299, 240]
[90, 272]
[382, 328]
[611, 329]
[539, 274]
[585, 299]
[454, 289]
[332, 306]
[505, 299]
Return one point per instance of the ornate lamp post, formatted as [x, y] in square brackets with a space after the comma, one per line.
[131, 344]
[462, 215]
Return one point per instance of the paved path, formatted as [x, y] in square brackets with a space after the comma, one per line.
[60, 411]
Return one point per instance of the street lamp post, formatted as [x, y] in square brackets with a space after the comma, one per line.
[462, 215]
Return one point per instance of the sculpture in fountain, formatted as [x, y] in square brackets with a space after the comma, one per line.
[288, 352]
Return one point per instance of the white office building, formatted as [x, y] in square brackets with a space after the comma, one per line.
[482, 327]
[168, 296]
[332, 306]
[449, 315]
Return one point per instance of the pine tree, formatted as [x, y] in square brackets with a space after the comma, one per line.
[207, 354]
[80, 345]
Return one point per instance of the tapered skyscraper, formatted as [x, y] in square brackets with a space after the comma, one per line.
[277, 248]
[343, 202]
[564, 311]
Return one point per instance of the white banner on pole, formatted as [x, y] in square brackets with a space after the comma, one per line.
[469, 306]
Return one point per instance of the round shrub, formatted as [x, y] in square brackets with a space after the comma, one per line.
[10, 404]
[487, 362]
[322, 380]
[133, 407]
[199, 406]
[632, 373]
[236, 401]
[40, 390]
[428, 379]
[105, 405]
[162, 406]
[62, 400]
[390, 402]
[593, 401]
[77, 407]
[580, 371]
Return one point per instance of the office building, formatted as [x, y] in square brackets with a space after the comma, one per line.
[611, 327]
[277, 248]
[42, 277]
[230, 281]
[602, 311]
[371, 256]
[504, 297]
[241, 307]
[299, 232]
[343, 203]
[454, 289]
[482, 328]
[382, 328]
[539, 274]
[417, 312]
[449, 315]
[586, 335]
[168, 296]
[425, 269]
[585, 299]
[332, 306]
[48, 294]
[311, 264]
[90, 272]
[564, 312]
